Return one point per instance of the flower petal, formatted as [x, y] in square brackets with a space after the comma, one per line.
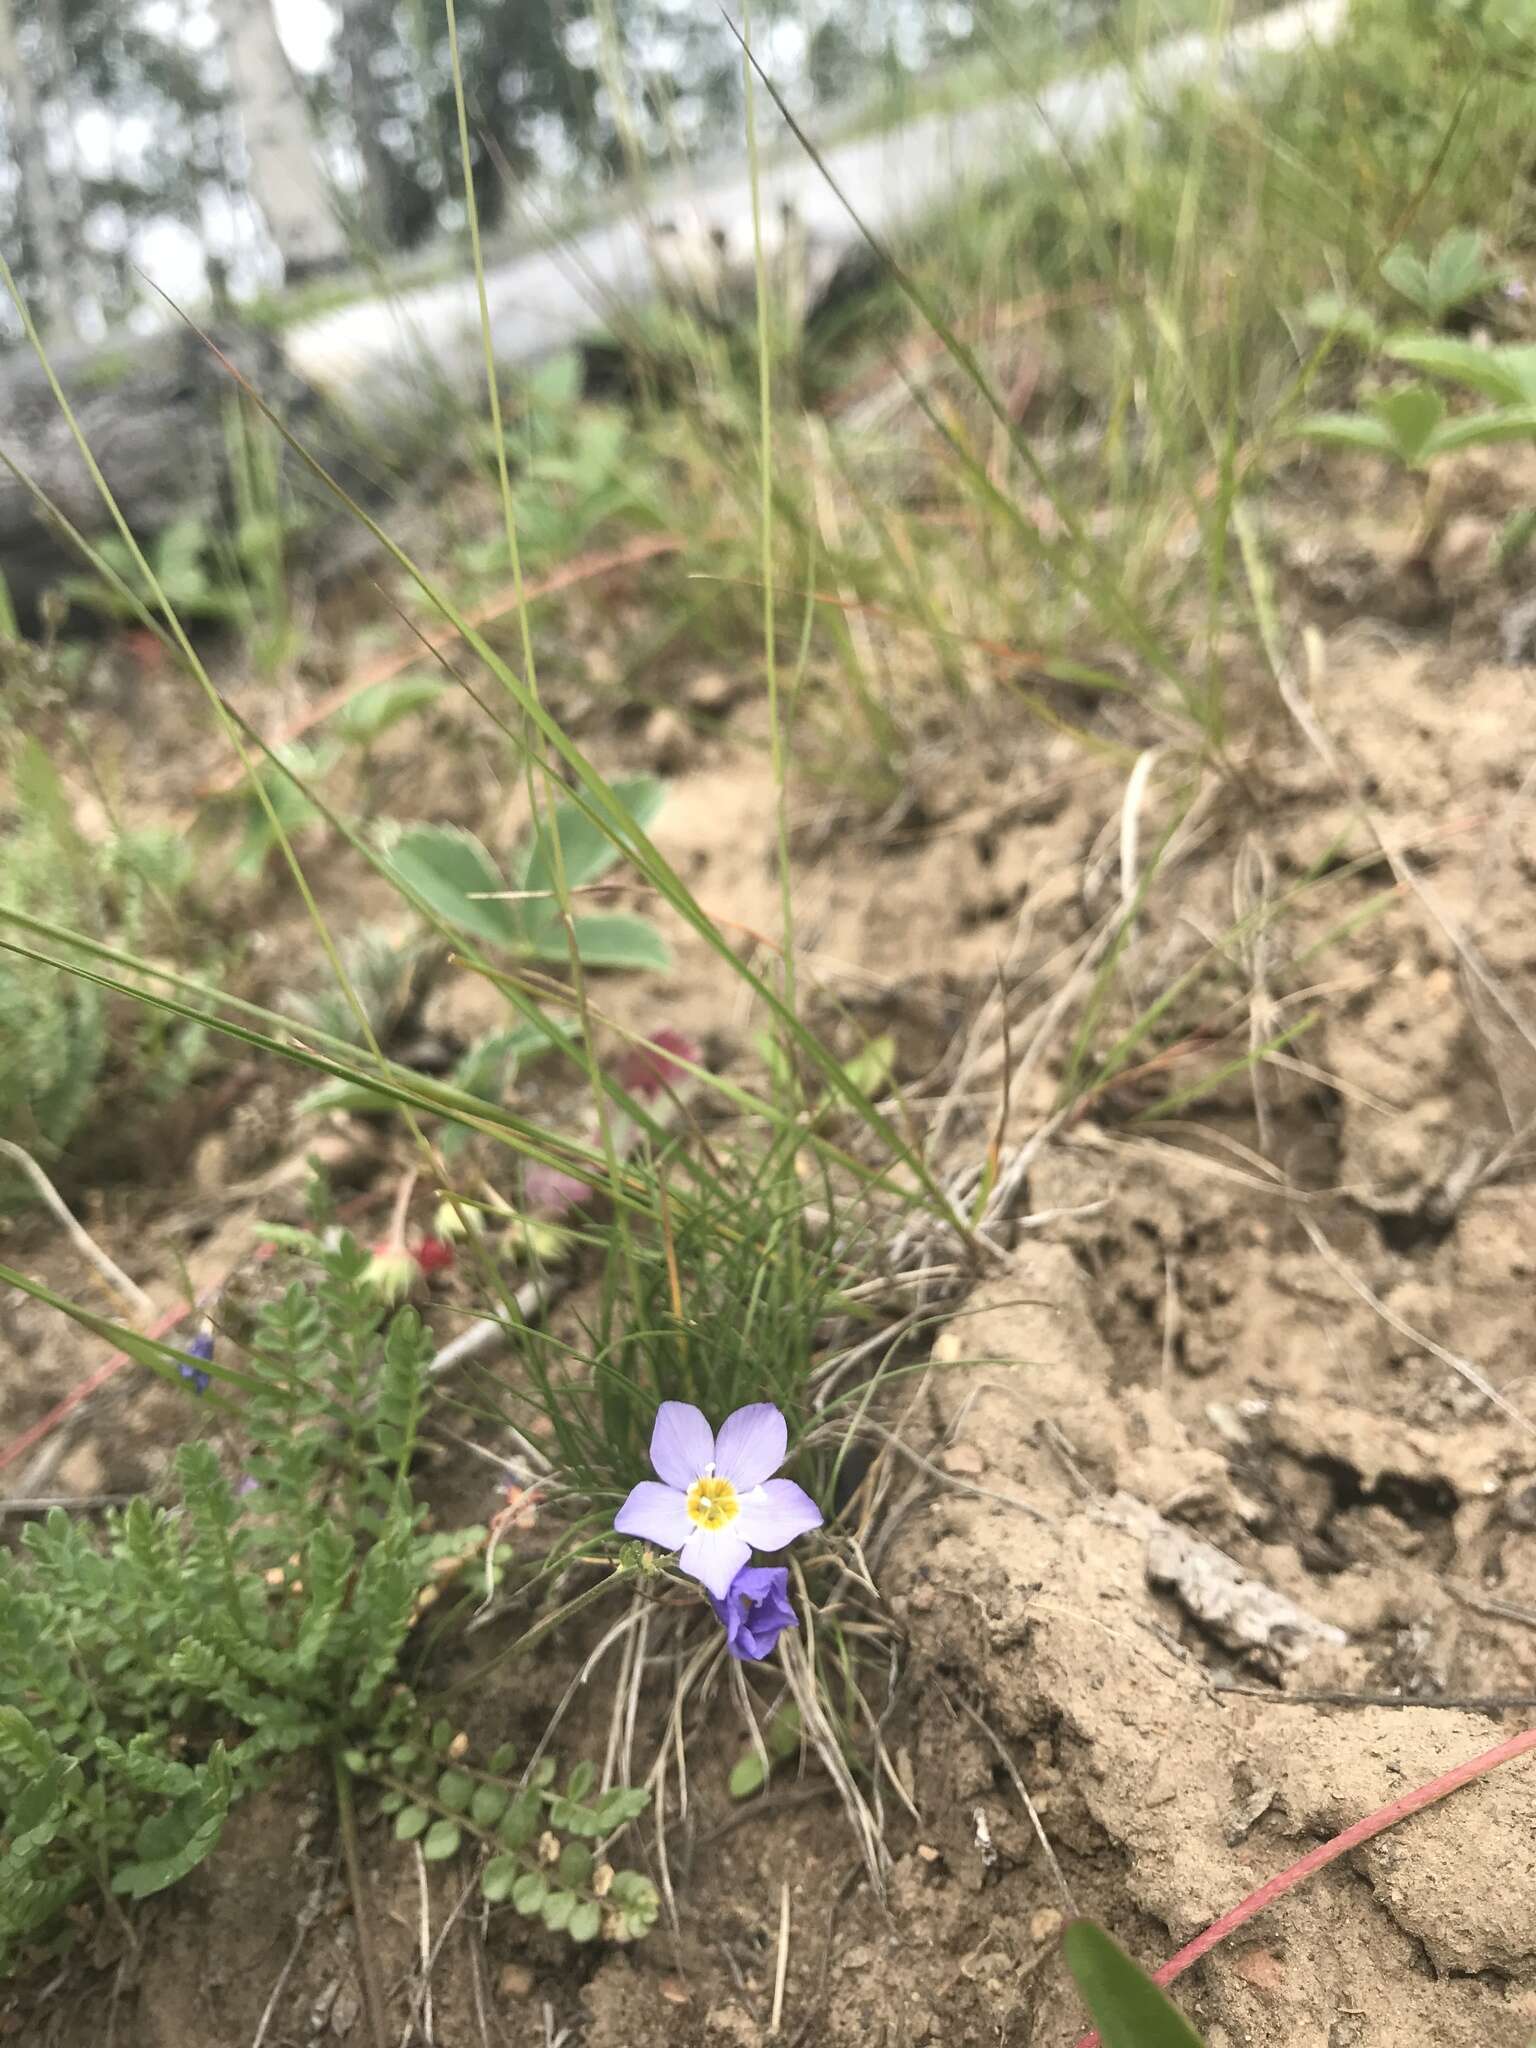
[657, 1513]
[552, 1193]
[682, 1444]
[758, 1582]
[714, 1557]
[775, 1514]
[646, 1070]
[758, 1633]
[751, 1445]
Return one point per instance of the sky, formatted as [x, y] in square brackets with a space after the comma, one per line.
[306, 27]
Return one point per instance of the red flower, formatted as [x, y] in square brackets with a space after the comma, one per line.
[433, 1255]
[647, 1071]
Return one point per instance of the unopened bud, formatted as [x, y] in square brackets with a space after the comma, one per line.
[390, 1273]
[451, 1220]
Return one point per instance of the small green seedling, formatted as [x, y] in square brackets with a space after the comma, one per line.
[781, 1741]
[560, 1883]
[519, 913]
[486, 1071]
[291, 808]
[1454, 274]
[1506, 375]
[364, 719]
[179, 558]
[356, 725]
[574, 467]
[1410, 425]
[1127, 2007]
[1334, 314]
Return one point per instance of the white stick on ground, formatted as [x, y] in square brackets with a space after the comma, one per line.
[126, 1289]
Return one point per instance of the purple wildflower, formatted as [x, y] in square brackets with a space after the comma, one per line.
[756, 1611]
[200, 1347]
[717, 1497]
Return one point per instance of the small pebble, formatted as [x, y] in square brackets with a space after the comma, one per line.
[669, 741]
[963, 1461]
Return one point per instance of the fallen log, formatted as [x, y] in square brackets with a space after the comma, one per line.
[156, 413]
[154, 410]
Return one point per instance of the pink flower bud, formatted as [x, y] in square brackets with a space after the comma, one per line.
[647, 1071]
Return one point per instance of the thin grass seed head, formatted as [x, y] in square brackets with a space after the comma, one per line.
[717, 1499]
[755, 1612]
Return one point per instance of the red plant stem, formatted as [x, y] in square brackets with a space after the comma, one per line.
[162, 1325]
[45, 1426]
[581, 570]
[1375, 1823]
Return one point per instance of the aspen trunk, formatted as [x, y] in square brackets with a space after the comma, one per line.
[285, 177]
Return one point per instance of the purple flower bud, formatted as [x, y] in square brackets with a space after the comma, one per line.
[201, 1346]
[755, 1612]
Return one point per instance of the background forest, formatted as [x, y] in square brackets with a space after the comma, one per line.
[282, 138]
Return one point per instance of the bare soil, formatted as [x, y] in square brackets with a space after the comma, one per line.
[1289, 1321]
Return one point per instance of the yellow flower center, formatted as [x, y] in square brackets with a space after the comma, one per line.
[712, 1503]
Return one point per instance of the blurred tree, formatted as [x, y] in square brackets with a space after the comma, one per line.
[123, 121]
[44, 230]
[576, 89]
[285, 179]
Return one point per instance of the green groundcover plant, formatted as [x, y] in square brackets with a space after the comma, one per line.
[55, 1029]
[154, 1673]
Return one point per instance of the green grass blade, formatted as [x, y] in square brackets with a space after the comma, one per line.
[1127, 2007]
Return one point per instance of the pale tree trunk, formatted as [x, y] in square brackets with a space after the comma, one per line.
[42, 215]
[285, 178]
